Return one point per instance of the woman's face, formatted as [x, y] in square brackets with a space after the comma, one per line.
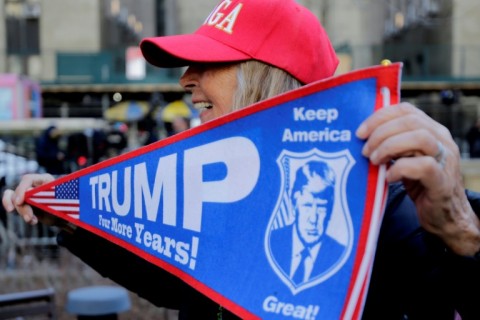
[212, 87]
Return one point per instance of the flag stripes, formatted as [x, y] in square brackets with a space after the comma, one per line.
[62, 198]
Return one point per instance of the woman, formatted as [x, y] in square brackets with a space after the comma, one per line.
[425, 263]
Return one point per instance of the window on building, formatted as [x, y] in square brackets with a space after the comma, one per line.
[160, 15]
[22, 27]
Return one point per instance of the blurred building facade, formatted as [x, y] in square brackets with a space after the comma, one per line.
[438, 42]
[80, 50]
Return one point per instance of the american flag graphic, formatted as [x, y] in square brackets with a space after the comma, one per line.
[285, 214]
[63, 198]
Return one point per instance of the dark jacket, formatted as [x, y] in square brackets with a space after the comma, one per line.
[414, 276]
[47, 150]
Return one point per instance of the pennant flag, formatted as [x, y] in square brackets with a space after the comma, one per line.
[271, 211]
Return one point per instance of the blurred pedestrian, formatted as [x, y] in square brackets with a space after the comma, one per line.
[147, 130]
[116, 139]
[49, 154]
[473, 139]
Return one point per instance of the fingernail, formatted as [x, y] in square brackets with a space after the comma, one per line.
[365, 150]
[361, 131]
[34, 220]
[374, 157]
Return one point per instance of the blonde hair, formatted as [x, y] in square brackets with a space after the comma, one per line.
[257, 81]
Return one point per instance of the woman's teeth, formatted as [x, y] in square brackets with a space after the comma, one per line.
[202, 105]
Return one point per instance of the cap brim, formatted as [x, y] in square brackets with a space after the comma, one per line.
[182, 50]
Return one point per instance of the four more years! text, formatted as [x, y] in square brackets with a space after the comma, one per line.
[181, 251]
[325, 134]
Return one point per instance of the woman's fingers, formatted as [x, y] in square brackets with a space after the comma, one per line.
[15, 200]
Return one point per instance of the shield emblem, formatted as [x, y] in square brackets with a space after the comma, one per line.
[329, 241]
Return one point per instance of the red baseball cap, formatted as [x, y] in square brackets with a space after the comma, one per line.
[278, 32]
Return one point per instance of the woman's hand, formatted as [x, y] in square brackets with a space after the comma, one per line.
[421, 153]
[15, 200]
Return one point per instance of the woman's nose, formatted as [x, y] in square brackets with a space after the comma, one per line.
[189, 79]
